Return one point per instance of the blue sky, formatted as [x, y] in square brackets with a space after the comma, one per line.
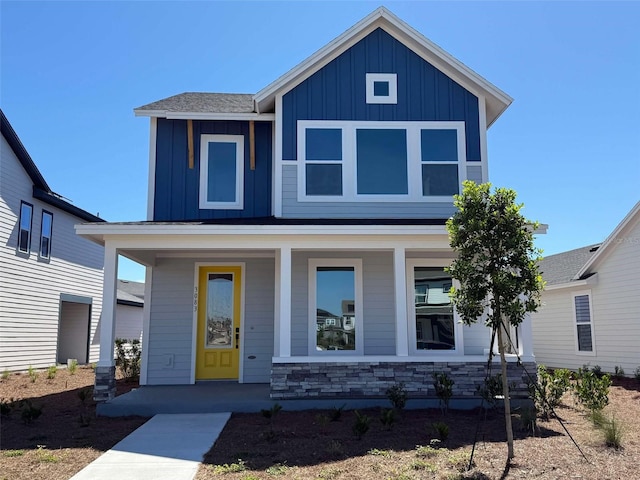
[72, 73]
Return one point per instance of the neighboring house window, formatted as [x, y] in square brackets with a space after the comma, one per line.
[380, 161]
[46, 230]
[382, 88]
[331, 282]
[584, 324]
[24, 232]
[434, 327]
[221, 171]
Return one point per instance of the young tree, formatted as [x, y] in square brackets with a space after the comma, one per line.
[496, 266]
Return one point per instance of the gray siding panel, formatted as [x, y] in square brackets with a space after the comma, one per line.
[474, 173]
[171, 323]
[291, 208]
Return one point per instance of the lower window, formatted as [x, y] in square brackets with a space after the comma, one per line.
[335, 307]
[582, 311]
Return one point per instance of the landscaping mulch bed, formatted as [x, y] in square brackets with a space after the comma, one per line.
[66, 436]
[307, 445]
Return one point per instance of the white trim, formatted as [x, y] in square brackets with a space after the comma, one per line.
[283, 320]
[146, 325]
[592, 352]
[277, 160]
[611, 240]
[151, 182]
[238, 140]
[402, 318]
[391, 79]
[196, 305]
[414, 40]
[349, 160]
[243, 254]
[411, 312]
[313, 264]
[592, 280]
[482, 125]
[108, 315]
[266, 117]
[397, 359]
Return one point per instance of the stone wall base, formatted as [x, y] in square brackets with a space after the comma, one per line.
[372, 379]
[105, 386]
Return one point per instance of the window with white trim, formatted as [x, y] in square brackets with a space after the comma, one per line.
[332, 284]
[221, 171]
[46, 231]
[380, 161]
[583, 322]
[382, 88]
[435, 327]
[25, 224]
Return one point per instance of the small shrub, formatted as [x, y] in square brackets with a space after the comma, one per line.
[528, 420]
[618, 372]
[380, 453]
[277, 469]
[460, 461]
[444, 389]
[30, 412]
[597, 370]
[272, 412]
[397, 395]
[51, 372]
[239, 466]
[592, 391]
[5, 374]
[442, 430]
[636, 373]
[33, 375]
[73, 367]
[597, 418]
[388, 418]
[422, 465]
[490, 390]
[13, 453]
[361, 425]
[426, 451]
[336, 412]
[128, 354]
[551, 387]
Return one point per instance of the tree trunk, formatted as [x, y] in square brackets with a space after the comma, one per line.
[505, 392]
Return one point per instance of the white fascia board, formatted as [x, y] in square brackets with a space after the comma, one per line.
[267, 117]
[612, 240]
[592, 280]
[407, 35]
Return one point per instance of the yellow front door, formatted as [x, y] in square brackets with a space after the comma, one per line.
[218, 337]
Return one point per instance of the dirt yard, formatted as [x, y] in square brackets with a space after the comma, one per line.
[66, 436]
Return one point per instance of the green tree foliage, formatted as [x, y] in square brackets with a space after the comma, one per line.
[496, 265]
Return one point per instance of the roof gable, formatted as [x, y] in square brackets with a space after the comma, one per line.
[562, 267]
[496, 100]
[629, 222]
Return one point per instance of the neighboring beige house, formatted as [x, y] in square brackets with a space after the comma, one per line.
[591, 304]
[129, 306]
[50, 279]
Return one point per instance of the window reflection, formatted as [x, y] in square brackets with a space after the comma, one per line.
[335, 308]
[434, 311]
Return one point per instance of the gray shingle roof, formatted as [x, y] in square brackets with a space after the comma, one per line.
[562, 267]
[132, 292]
[204, 103]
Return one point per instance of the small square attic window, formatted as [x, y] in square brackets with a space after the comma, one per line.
[382, 88]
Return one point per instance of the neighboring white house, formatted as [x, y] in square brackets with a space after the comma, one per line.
[130, 303]
[591, 304]
[50, 279]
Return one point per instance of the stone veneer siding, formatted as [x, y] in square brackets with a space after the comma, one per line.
[105, 385]
[372, 379]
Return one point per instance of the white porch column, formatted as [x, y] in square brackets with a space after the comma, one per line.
[400, 283]
[105, 384]
[526, 339]
[282, 331]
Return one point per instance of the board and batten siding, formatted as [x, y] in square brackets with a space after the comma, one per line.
[177, 186]
[171, 324]
[337, 92]
[31, 288]
[615, 314]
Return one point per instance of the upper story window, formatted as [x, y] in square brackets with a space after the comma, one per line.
[46, 231]
[382, 88]
[380, 161]
[221, 171]
[24, 232]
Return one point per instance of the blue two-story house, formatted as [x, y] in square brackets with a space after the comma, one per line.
[296, 236]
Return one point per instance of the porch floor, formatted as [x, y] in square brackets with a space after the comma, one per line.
[216, 397]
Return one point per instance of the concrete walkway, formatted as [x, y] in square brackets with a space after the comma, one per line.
[169, 446]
